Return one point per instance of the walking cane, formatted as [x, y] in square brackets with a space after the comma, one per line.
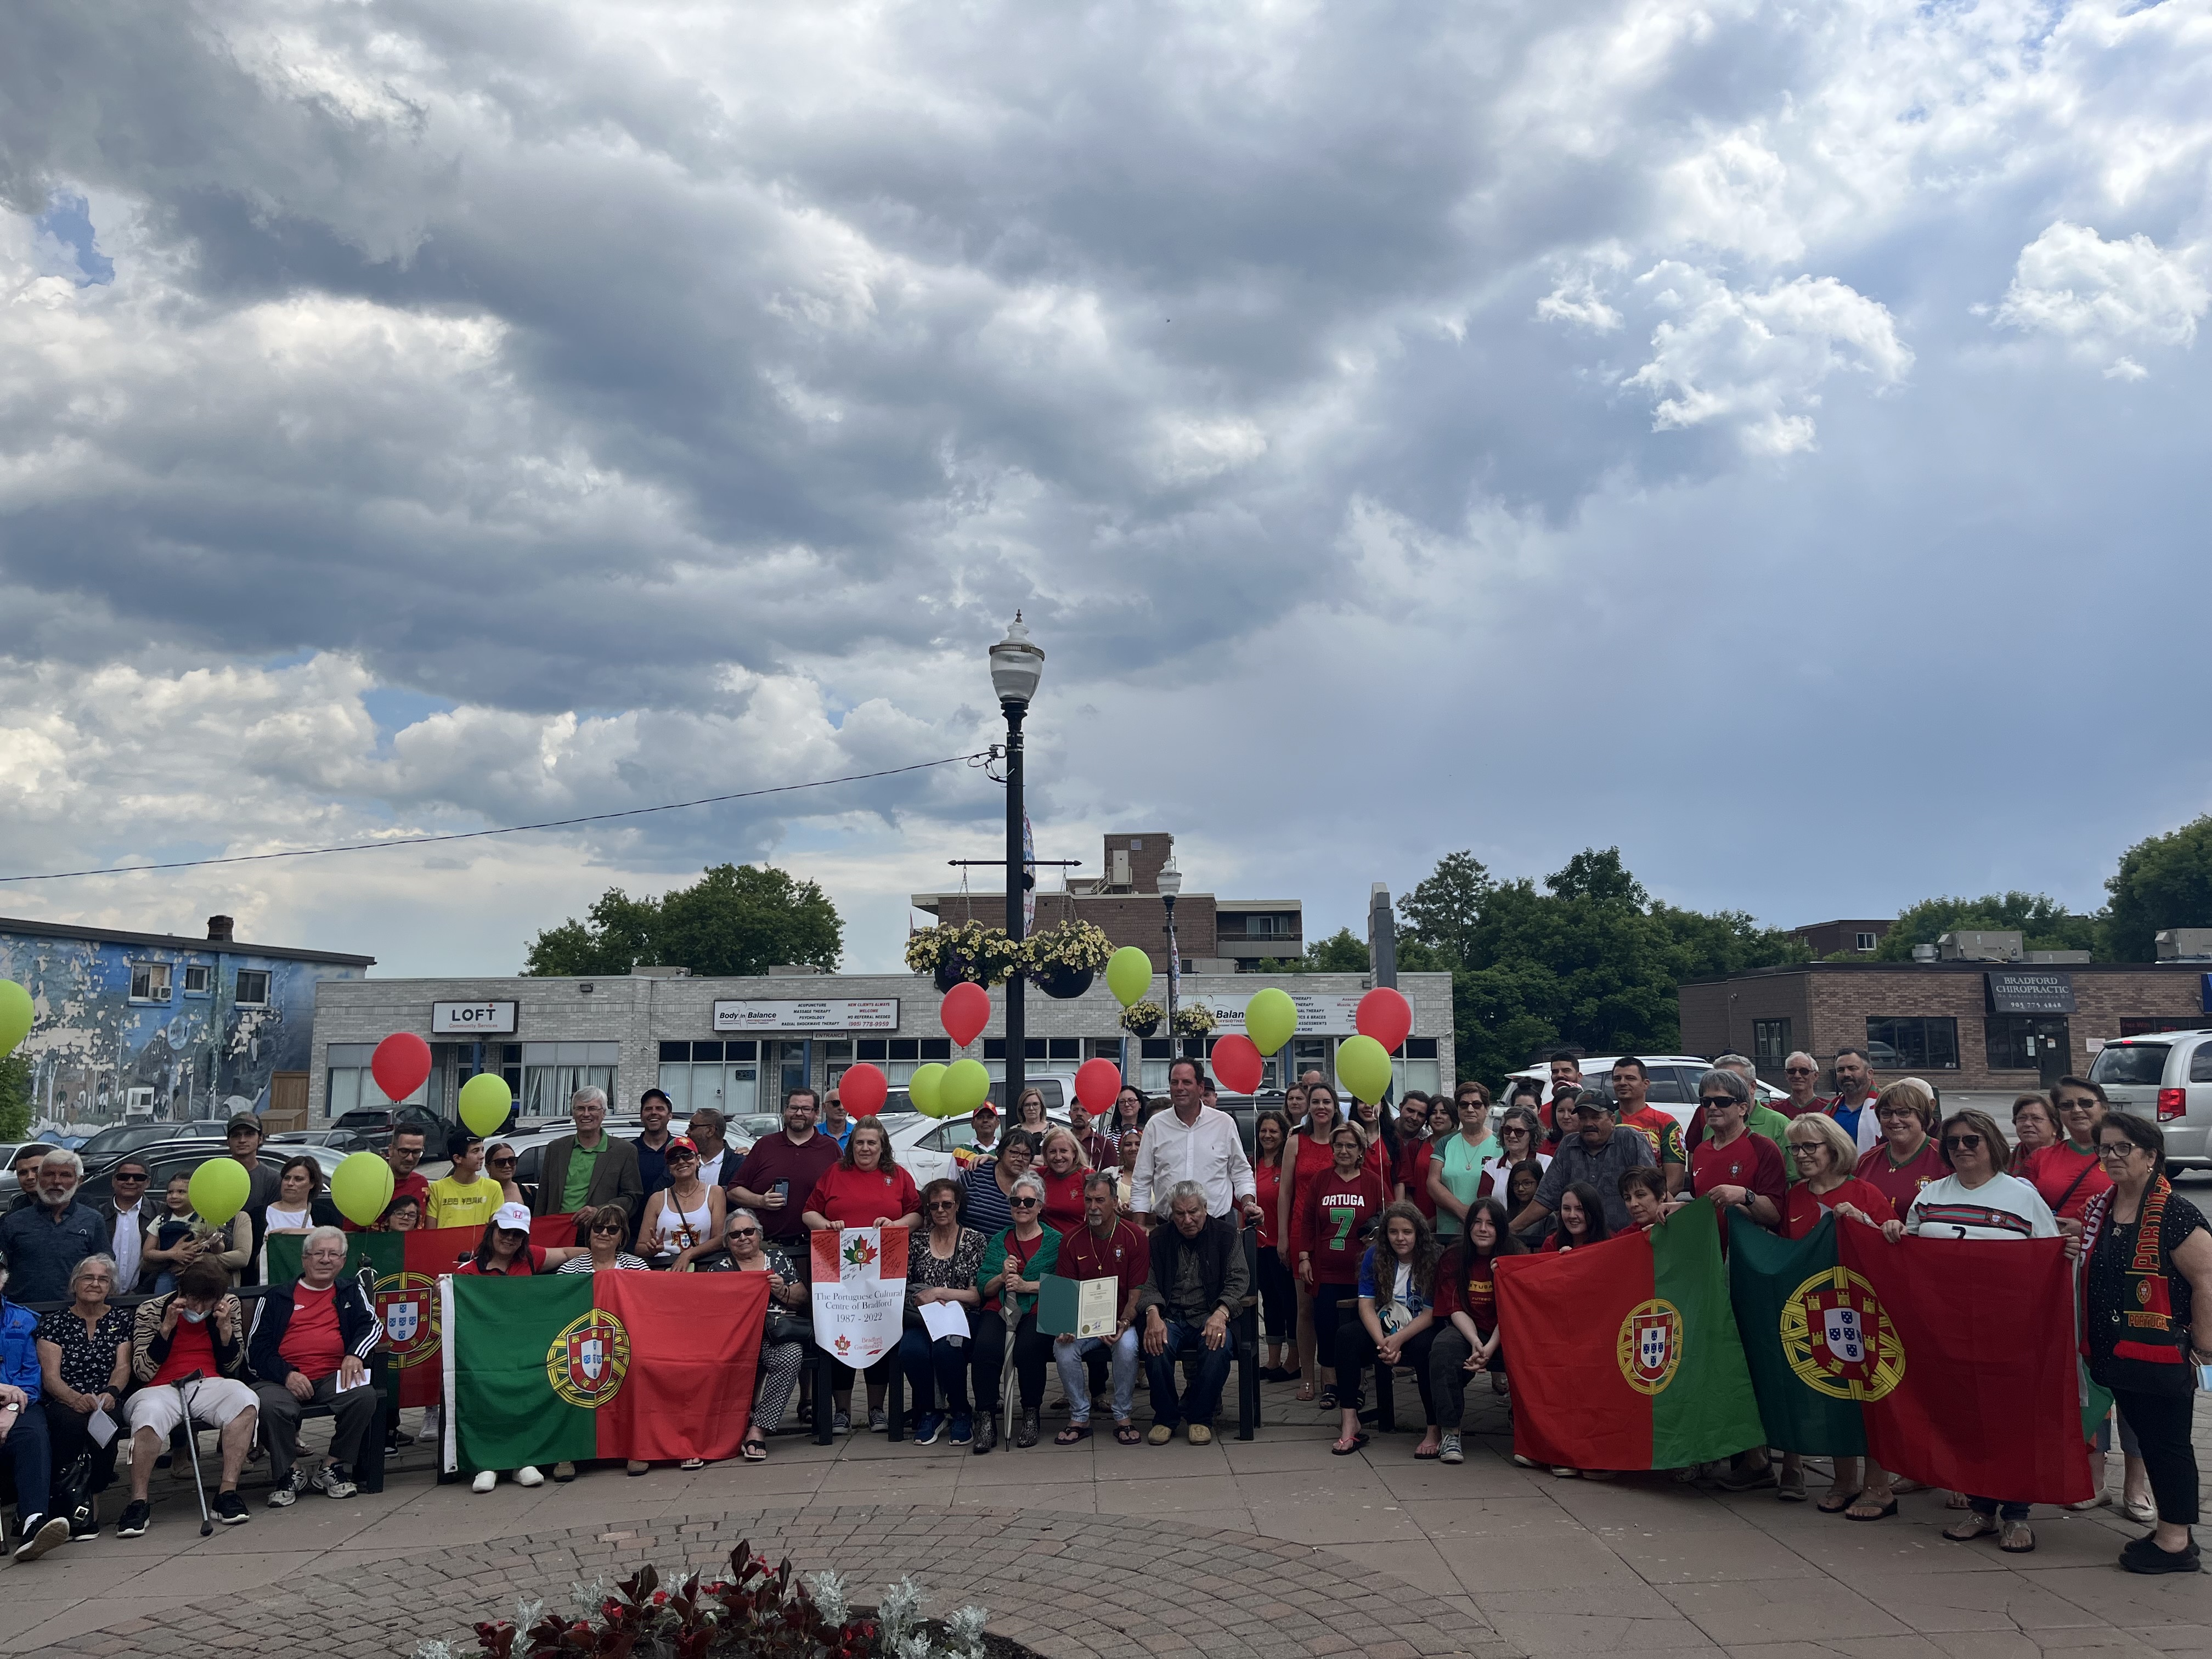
[193, 1445]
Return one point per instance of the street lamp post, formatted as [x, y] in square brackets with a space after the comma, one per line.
[1170, 884]
[1017, 664]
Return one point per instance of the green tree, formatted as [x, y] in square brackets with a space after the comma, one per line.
[2163, 882]
[736, 918]
[2046, 924]
[1445, 908]
[1339, 953]
[15, 1096]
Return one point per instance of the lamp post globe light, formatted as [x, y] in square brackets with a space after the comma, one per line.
[1170, 884]
[1017, 666]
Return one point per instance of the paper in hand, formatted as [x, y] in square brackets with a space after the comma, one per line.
[944, 1319]
[343, 1387]
[100, 1426]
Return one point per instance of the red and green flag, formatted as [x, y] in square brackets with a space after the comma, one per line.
[561, 1366]
[1625, 1355]
[405, 1269]
[1951, 1361]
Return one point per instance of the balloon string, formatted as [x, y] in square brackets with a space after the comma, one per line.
[508, 829]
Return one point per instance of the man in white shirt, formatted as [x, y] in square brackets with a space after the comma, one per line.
[1194, 1142]
[127, 1217]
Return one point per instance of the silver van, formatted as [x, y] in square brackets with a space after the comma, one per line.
[2167, 1077]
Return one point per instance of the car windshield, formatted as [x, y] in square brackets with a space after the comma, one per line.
[2124, 1063]
[125, 1137]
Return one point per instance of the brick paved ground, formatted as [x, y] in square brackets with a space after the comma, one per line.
[1553, 1566]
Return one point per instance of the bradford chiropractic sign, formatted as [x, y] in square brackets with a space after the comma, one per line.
[2015, 991]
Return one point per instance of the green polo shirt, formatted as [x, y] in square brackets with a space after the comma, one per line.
[581, 1164]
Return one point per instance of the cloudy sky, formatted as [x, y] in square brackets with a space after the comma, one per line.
[1770, 438]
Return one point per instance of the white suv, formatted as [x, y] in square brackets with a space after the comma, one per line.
[1673, 1081]
[2167, 1077]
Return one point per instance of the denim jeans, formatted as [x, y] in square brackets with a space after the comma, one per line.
[1067, 1353]
[1210, 1367]
[30, 1451]
[934, 1369]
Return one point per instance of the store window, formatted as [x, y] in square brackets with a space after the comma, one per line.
[196, 980]
[2027, 1043]
[348, 1084]
[552, 1071]
[899, 1056]
[725, 1076]
[1913, 1043]
[1414, 1066]
[1769, 1044]
[253, 988]
[149, 981]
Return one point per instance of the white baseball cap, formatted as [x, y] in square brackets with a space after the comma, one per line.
[511, 1216]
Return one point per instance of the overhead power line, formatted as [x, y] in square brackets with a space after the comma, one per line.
[979, 757]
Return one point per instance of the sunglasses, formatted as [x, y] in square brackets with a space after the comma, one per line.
[500, 1162]
[943, 1203]
[744, 1233]
[1718, 1100]
[1800, 1071]
[616, 1228]
[1962, 1143]
[1022, 1203]
[683, 1157]
[130, 1175]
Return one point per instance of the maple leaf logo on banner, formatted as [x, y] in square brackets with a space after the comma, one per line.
[859, 1252]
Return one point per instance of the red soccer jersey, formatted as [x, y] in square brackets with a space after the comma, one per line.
[1413, 1175]
[1309, 1161]
[1900, 1183]
[311, 1344]
[2065, 1179]
[1063, 1200]
[1333, 1211]
[1804, 1208]
[1750, 1160]
[857, 1198]
[1469, 1287]
[1125, 1257]
[414, 1184]
[192, 1348]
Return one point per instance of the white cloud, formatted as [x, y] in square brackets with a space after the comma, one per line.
[2099, 296]
[1756, 359]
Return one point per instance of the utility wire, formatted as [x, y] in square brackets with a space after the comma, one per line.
[979, 757]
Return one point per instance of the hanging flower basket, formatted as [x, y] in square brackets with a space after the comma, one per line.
[982, 956]
[1063, 960]
[1195, 1021]
[1141, 1019]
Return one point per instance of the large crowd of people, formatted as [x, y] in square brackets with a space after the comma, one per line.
[1364, 1241]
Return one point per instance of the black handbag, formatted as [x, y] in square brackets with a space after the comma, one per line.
[73, 1487]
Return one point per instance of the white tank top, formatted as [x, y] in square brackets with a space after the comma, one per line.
[675, 1230]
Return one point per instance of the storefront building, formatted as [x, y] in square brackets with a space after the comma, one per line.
[738, 1044]
[1973, 1026]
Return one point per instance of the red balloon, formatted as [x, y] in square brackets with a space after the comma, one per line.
[401, 1065]
[965, 1011]
[1097, 1085]
[1236, 1064]
[1385, 1015]
[862, 1089]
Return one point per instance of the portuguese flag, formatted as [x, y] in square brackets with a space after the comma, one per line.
[1949, 1360]
[1625, 1355]
[561, 1366]
[405, 1269]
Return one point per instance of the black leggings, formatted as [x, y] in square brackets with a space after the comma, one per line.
[1355, 1355]
[1327, 1316]
[1278, 1299]
[2161, 1423]
[1032, 1352]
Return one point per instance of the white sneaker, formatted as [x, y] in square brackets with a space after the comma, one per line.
[485, 1480]
[528, 1475]
[432, 1424]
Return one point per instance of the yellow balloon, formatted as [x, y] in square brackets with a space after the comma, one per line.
[16, 1015]
[1271, 1019]
[220, 1190]
[1128, 974]
[361, 1186]
[967, 1086]
[1363, 1066]
[485, 1102]
[922, 1089]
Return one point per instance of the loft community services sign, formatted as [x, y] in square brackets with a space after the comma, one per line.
[472, 1018]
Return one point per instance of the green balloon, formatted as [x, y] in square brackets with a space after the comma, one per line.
[1271, 1019]
[1363, 1066]
[1128, 975]
[485, 1102]
[361, 1186]
[967, 1086]
[922, 1089]
[220, 1190]
[16, 1015]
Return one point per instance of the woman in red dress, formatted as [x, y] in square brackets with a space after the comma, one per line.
[1271, 1141]
[1308, 1160]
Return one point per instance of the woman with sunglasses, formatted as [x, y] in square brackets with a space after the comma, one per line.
[940, 1267]
[2065, 1170]
[1309, 1159]
[1978, 1199]
[1456, 1166]
[602, 1232]
[1733, 1167]
[499, 1162]
[1905, 1157]
[1520, 1137]
[986, 1184]
[2146, 1314]
[784, 1334]
[1008, 1278]
[682, 1220]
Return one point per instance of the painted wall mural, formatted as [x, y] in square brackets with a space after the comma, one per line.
[168, 1032]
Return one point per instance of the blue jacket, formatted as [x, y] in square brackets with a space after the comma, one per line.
[19, 1348]
[42, 1252]
[359, 1329]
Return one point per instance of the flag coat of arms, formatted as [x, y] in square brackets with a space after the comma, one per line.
[860, 1292]
[560, 1366]
[405, 1269]
[1624, 1354]
[1949, 1360]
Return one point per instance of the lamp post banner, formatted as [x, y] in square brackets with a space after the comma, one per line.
[860, 1292]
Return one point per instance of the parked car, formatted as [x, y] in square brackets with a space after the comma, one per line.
[1673, 1081]
[2165, 1076]
[345, 1140]
[105, 1150]
[8, 1151]
[172, 1157]
[1058, 1088]
[373, 1125]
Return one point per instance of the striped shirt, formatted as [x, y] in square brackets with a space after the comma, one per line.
[2003, 1207]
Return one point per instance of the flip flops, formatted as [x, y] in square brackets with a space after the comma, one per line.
[1128, 1434]
[1073, 1434]
[1835, 1503]
[1342, 1450]
[755, 1451]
